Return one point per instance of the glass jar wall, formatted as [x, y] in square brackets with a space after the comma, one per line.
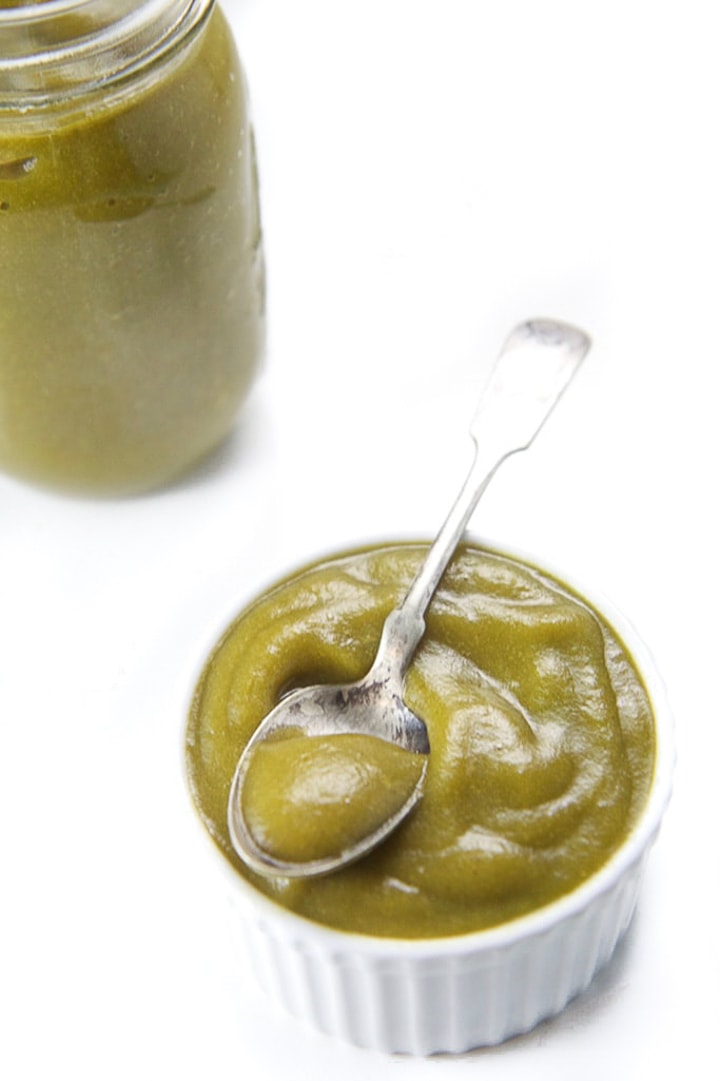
[131, 278]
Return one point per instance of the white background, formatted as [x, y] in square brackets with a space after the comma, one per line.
[433, 171]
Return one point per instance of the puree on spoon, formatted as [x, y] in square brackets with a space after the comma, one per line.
[310, 797]
[541, 735]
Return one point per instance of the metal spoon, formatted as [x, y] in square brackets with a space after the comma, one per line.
[535, 366]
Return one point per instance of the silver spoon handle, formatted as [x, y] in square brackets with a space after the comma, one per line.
[535, 366]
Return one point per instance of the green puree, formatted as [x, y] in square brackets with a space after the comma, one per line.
[131, 278]
[541, 736]
[310, 797]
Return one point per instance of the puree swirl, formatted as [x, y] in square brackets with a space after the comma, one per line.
[541, 735]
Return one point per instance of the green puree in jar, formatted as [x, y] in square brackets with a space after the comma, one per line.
[131, 279]
[541, 736]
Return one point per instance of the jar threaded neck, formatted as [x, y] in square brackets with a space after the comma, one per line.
[56, 50]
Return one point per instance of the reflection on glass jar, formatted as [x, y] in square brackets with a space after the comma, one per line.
[131, 278]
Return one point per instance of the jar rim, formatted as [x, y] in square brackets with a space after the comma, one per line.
[25, 13]
[49, 56]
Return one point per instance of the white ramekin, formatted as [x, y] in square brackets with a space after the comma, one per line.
[466, 991]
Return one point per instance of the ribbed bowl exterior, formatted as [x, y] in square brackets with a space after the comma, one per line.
[421, 1001]
[457, 993]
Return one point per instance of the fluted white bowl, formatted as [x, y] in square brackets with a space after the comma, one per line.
[455, 993]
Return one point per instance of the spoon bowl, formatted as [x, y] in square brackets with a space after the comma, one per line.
[369, 708]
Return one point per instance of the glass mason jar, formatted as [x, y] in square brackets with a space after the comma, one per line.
[131, 269]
